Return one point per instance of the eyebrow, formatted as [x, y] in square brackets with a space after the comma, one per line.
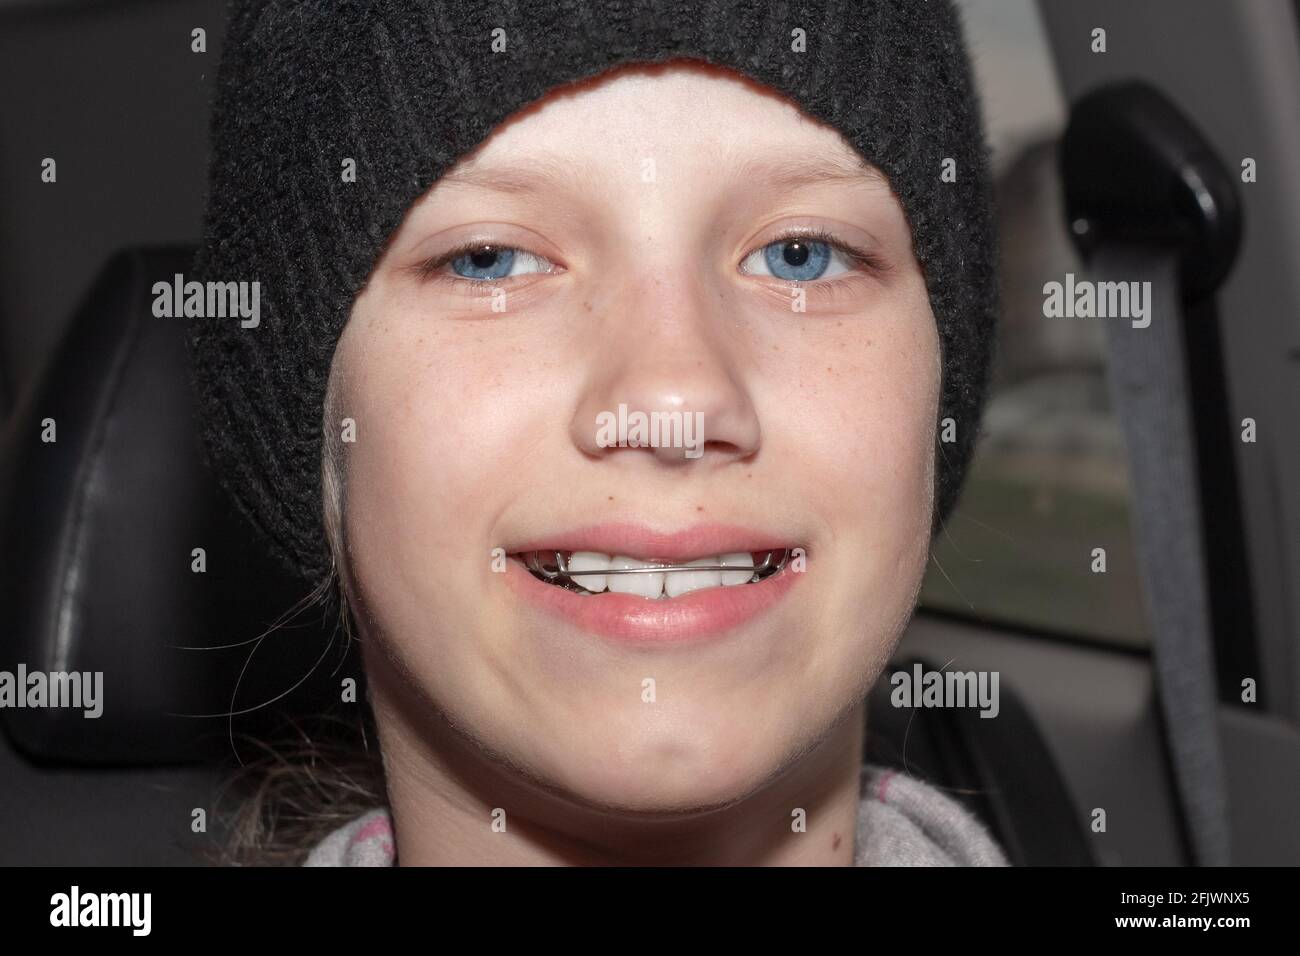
[542, 173]
[546, 172]
[810, 171]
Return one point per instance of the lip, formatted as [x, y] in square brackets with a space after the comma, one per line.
[629, 619]
[638, 541]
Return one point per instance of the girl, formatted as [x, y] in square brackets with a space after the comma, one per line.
[479, 243]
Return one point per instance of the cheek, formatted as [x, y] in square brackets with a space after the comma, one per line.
[866, 464]
[863, 412]
[438, 433]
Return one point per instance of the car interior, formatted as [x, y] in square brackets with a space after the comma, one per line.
[1126, 554]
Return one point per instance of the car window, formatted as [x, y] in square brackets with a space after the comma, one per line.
[1048, 486]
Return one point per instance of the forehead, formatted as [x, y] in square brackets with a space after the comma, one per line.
[683, 115]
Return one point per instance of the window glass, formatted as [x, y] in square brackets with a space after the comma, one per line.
[1048, 485]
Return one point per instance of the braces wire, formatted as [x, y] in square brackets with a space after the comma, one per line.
[561, 570]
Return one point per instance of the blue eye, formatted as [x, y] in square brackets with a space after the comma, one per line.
[797, 259]
[805, 258]
[482, 262]
[486, 262]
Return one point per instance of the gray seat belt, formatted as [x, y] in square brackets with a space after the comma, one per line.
[1148, 387]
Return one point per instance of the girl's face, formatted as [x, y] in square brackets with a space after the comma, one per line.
[639, 259]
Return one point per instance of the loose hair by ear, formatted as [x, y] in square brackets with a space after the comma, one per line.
[333, 492]
[330, 770]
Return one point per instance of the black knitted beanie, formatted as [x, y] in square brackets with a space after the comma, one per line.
[406, 87]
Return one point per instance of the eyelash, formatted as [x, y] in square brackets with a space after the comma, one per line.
[870, 262]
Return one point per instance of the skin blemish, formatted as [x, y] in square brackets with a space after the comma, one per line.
[835, 844]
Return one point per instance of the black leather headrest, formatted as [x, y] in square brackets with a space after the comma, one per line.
[97, 534]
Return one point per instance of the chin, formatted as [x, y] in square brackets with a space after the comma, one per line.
[703, 764]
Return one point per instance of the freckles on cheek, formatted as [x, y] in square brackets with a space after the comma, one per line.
[865, 406]
[408, 465]
[439, 422]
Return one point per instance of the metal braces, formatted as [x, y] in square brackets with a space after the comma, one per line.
[560, 573]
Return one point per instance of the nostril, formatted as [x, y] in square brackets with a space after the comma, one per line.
[730, 449]
[698, 451]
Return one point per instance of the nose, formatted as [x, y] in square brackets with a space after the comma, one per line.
[667, 379]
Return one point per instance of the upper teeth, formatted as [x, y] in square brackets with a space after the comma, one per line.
[653, 584]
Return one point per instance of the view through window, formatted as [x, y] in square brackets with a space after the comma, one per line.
[1049, 483]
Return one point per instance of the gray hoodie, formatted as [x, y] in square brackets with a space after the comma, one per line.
[901, 822]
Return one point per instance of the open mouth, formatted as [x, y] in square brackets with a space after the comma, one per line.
[594, 573]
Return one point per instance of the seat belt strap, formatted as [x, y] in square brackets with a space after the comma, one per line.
[1148, 386]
